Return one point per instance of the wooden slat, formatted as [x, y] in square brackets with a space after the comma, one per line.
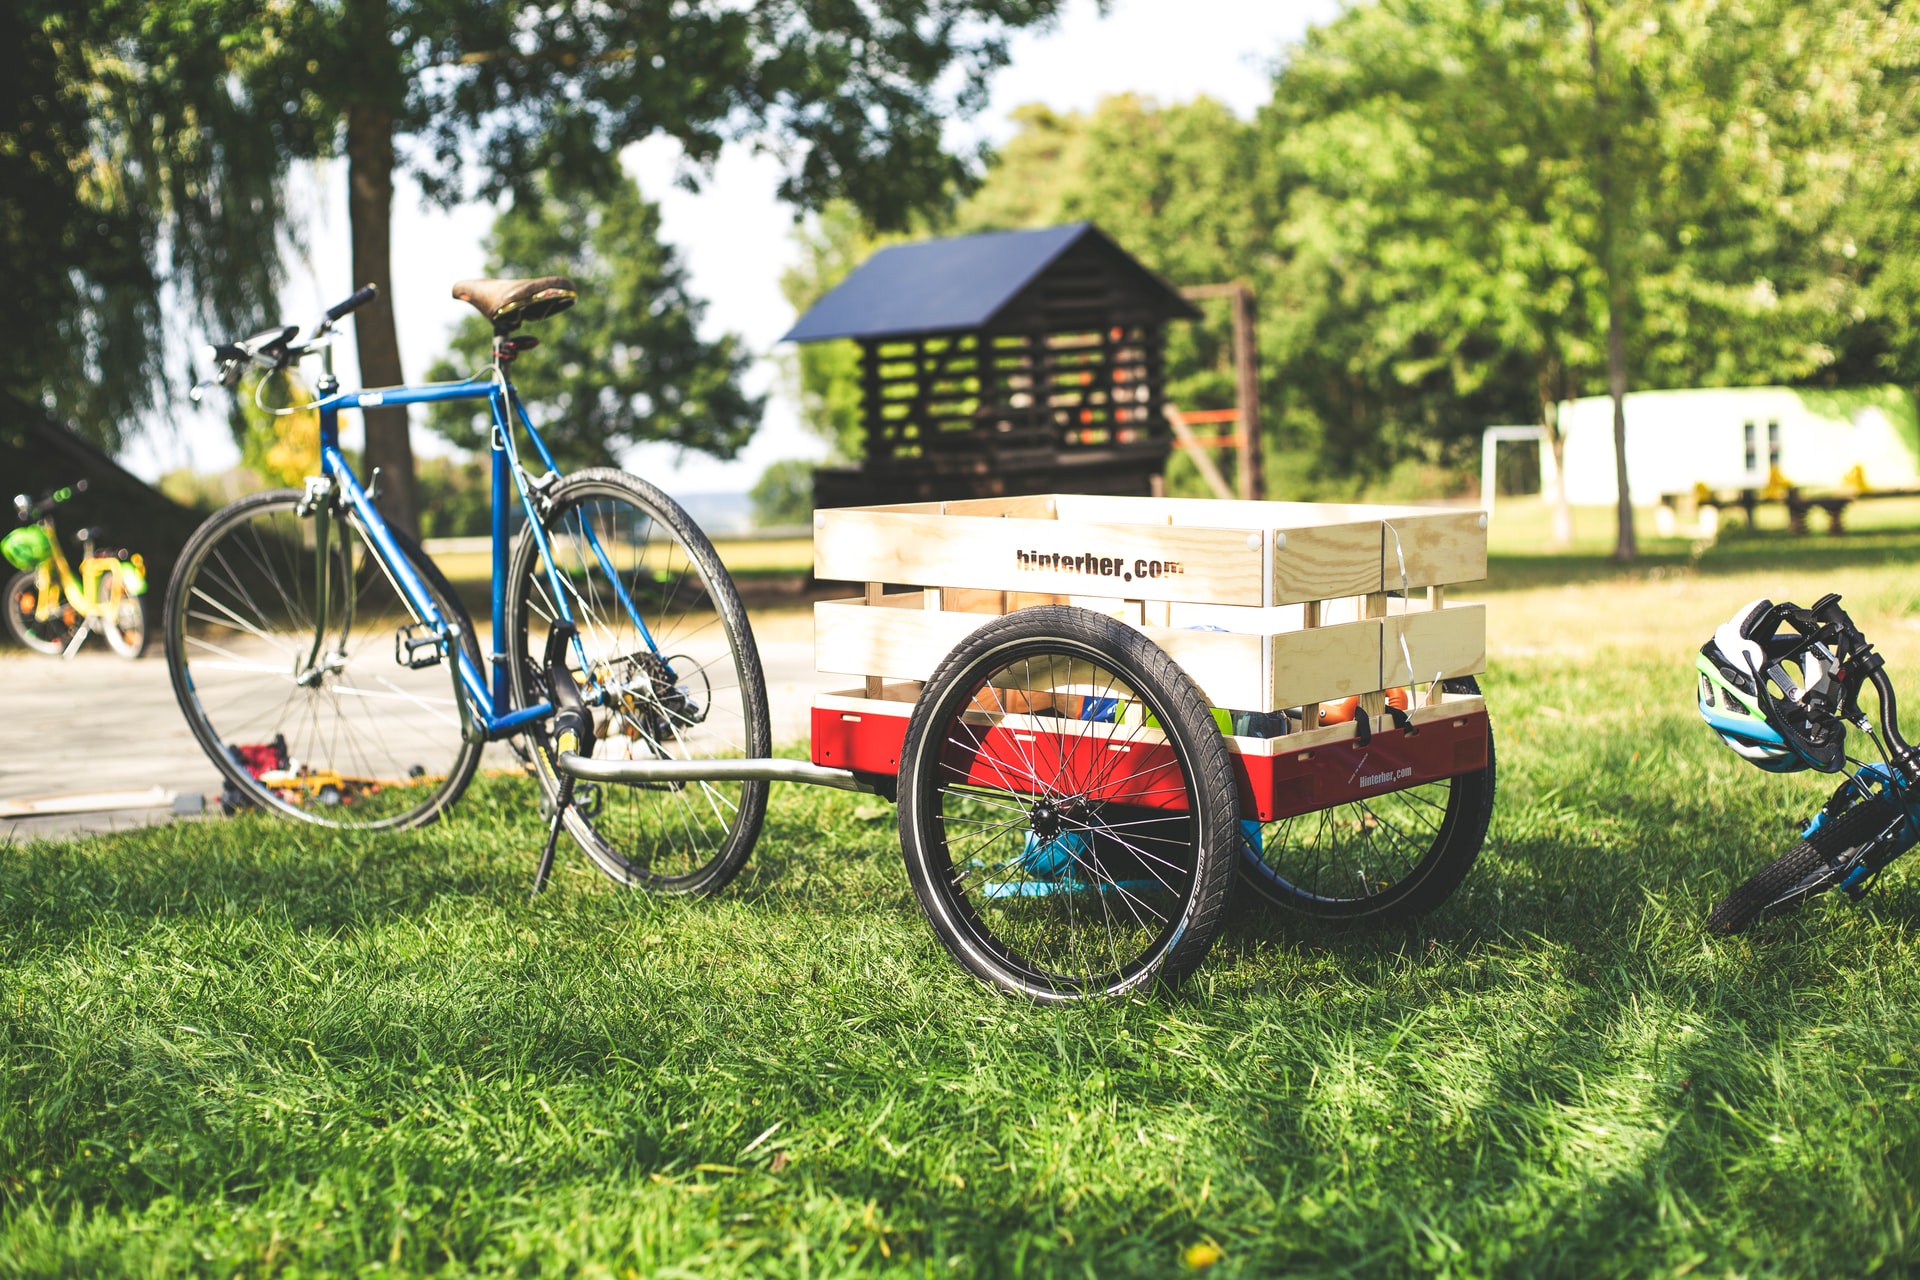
[1439, 546]
[853, 638]
[900, 644]
[1037, 506]
[1323, 663]
[1210, 565]
[1187, 440]
[1326, 562]
[875, 596]
[1225, 665]
[1454, 704]
[1450, 642]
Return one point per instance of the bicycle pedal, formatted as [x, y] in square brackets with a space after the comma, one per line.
[410, 641]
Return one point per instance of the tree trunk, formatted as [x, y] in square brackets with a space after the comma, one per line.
[1557, 442]
[370, 217]
[1612, 271]
[1625, 548]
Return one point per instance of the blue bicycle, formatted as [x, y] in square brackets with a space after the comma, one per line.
[1780, 684]
[332, 674]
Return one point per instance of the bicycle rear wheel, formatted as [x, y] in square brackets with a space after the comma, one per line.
[49, 634]
[302, 705]
[671, 673]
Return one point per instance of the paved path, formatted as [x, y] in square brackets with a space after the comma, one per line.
[101, 723]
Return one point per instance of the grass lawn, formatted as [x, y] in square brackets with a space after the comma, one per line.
[241, 1048]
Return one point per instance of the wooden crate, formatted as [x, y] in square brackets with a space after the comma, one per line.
[1268, 605]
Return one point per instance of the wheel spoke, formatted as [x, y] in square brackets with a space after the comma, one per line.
[356, 740]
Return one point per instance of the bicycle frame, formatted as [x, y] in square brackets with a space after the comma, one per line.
[57, 581]
[486, 706]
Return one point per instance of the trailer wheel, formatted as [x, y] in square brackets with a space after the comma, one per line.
[1067, 808]
[1382, 860]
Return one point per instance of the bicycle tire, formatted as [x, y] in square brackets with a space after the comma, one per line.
[1811, 867]
[684, 839]
[319, 743]
[1042, 904]
[1431, 845]
[117, 608]
[23, 595]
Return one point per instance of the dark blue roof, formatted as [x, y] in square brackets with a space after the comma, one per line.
[961, 283]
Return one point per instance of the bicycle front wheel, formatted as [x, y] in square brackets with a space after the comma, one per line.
[670, 673]
[1811, 867]
[282, 651]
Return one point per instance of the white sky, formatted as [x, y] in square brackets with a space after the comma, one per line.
[734, 237]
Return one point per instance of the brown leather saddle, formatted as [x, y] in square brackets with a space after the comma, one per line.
[507, 303]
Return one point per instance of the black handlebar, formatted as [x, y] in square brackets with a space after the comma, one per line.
[272, 348]
[1862, 666]
[34, 510]
[361, 297]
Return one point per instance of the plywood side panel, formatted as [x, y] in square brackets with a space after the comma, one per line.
[1205, 566]
[1439, 547]
[1226, 666]
[1321, 563]
[1451, 642]
[902, 644]
[1324, 663]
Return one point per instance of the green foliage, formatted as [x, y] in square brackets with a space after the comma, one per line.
[136, 153]
[154, 136]
[827, 374]
[279, 438]
[625, 365]
[783, 495]
[456, 497]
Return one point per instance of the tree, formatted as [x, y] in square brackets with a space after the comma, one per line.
[625, 365]
[129, 159]
[783, 495]
[483, 97]
[827, 374]
[1487, 199]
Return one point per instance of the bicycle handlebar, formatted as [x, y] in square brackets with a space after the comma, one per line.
[361, 297]
[1863, 666]
[276, 348]
[29, 510]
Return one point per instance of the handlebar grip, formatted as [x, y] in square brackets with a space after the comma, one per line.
[361, 297]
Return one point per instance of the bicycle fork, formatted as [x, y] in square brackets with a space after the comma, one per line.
[319, 500]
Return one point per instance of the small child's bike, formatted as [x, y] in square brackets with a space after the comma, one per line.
[1780, 684]
[52, 609]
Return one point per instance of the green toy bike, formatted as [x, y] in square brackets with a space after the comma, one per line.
[51, 608]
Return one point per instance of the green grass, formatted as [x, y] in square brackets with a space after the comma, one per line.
[243, 1048]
